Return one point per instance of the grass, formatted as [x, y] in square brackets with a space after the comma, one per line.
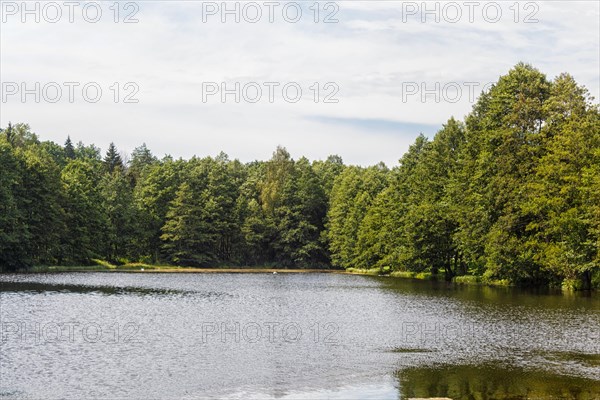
[100, 266]
[386, 271]
[414, 275]
[67, 268]
[480, 280]
[467, 279]
[428, 276]
[105, 266]
[363, 271]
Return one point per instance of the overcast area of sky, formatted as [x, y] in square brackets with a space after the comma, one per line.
[380, 54]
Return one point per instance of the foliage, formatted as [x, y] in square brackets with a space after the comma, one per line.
[509, 195]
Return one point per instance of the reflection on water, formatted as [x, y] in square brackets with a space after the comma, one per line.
[119, 335]
[489, 381]
[592, 360]
[38, 287]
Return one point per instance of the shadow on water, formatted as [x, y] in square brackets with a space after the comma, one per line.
[37, 287]
[490, 381]
[535, 297]
[589, 360]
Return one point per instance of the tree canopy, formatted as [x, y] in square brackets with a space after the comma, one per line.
[512, 192]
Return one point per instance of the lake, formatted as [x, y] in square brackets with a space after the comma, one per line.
[284, 336]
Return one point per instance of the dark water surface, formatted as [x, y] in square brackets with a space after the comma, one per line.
[164, 336]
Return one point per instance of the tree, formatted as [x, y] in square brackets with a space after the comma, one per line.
[153, 194]
[560, 198]
[201, 226]
[69, 149]
[257, 229]
[39, 197]
[351, 196]
[112, 160]
[513, 193]
[503, 142]
[141, 158]
[327, 171]
[13, 230]
[185, 233]
[300, 218]
[86, 222]
[20, 135]
[121, 215]
[90, 152]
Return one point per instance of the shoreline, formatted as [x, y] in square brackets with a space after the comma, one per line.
[169, 269]
[227, 271]
[464, 280]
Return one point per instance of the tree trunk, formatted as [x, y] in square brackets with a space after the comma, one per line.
[586, 280]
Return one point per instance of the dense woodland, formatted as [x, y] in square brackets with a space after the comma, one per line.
[512, 193]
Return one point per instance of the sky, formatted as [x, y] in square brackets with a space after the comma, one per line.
[361, 79]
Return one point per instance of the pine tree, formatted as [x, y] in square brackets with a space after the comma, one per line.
[112, 160]
[121, 214]
[87, 224]
[69, 149]
[182, 232]
[13, 229]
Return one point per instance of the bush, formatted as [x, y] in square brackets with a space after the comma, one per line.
[372, 271]
[596, 279]
[104, 263]
[403, 274]
[426, 276]
[467, 279]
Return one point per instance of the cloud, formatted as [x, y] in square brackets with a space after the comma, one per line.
[371, 54]
[379, 125]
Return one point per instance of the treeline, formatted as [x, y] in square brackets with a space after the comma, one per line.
[69, 205]
[512, 193]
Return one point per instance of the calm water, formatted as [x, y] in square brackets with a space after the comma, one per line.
[163, 336]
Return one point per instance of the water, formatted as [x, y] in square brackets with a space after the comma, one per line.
[164, 336]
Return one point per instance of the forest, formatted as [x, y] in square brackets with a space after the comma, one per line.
[511, 194]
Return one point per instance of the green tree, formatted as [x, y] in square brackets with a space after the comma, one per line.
[351, 196]
[121, 214]
[503, 144]
[86, 222]
[141, 158]
[112, 159]
[153, 194]
[13, 230]
[564, 238]
[40, 199]
[69, 148]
